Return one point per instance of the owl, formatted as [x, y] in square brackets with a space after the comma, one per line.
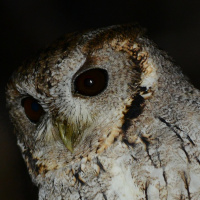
[105, 115]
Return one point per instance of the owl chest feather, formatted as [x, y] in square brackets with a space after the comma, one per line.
[145, 168]
[100, 178]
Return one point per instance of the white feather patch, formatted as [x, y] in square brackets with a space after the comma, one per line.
[122, 183]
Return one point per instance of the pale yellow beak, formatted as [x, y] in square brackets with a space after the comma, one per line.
[68, 134]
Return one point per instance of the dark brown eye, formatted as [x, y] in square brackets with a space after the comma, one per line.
[91, 82]
[32, 108]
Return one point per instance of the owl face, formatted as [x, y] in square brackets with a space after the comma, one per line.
[104, 114]
[70, 101]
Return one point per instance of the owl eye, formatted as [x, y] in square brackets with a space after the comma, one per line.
[91, 82]
[32, 108]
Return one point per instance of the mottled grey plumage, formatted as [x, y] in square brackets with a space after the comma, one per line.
[138, 139]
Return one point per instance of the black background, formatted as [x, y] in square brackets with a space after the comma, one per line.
[27, 26]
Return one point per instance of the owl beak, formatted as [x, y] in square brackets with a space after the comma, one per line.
[67, 134]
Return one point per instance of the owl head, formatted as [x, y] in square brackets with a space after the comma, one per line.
[71, 100]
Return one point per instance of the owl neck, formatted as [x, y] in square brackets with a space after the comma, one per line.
[167, 106]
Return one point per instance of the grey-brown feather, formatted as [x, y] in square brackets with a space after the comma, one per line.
[141, 135]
